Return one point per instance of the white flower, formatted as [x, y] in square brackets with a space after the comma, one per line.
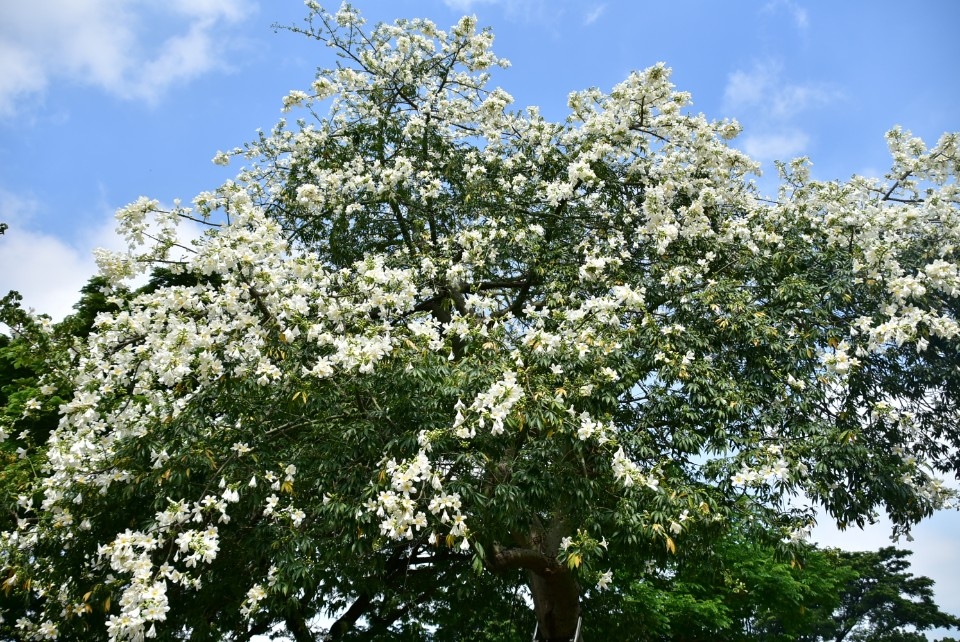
[293, 99]
[297, 516]
[606, 578]
[272, 501]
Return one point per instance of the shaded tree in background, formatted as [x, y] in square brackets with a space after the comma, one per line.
[744, 591]
[884, 602]
[740, 590]
[432, 350]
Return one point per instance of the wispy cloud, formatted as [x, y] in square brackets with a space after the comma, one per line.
[798, 14]
[48, 270]
[763, 87]
[112, 45]
[594, 14]
[793, 99]
[467, 5]
[525, 11]
[775, 146]
[770, 106]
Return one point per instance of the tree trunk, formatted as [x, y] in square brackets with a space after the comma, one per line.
[556, 602]
[555, 592]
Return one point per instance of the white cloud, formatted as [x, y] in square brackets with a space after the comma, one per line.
[45, 270]
[775, 146]
[769, 107]
[594, 14]
[749, 88]
[20, 74]
[763, 87]
[467, 5]
[49, 271]
[112, 45]
[229, 10]
[530, 11]
[793, 99]
[798, 14]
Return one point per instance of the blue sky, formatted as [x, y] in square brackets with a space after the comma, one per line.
[102, 101]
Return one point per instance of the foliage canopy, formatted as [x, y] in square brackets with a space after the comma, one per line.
[429, 343]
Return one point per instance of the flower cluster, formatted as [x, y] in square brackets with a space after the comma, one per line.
[770, 468]
[495, 405]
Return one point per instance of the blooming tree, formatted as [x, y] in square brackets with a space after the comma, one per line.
[431, 346]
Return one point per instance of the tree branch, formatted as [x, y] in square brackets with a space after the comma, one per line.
[506, 559]
[346, 622]
[298, 627]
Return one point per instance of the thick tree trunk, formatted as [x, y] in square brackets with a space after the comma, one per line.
[555, 592]
[556, 602]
